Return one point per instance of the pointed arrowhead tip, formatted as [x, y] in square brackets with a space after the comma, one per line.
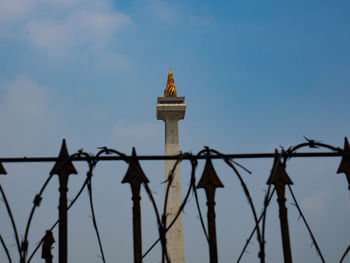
[2, 169]
[209, 177]
[62, 165]
[134, 172]
[279, 174]
[344, 166]
[346, 143]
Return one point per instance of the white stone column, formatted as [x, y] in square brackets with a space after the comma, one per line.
[171, 110]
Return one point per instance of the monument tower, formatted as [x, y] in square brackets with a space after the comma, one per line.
[171, 109]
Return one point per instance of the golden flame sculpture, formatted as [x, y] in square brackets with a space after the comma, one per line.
[170, 90]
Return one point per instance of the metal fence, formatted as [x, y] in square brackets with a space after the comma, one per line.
[277, 184]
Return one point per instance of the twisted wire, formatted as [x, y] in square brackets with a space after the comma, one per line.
[29, 221]
[5, 248]
[250, 201]
[263, 227]
[8, 208]
[162, 228]
[182, 206]
[38, 199]
[78, 154]
[344, 254]
[246, 191]
[254, 229]
[93, 160]
[306, 224]
[194, 189]
[94, 221]
[57, 221]
[169, 181]
[278, 157]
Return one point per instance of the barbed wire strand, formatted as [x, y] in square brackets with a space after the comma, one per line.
[29, 221]
[5, 248]
[263, 227]
[266, 201]
[250, 201]
[306, 224]
[161, 230]
[345, 253]
[247, 193]
[94, 221]
[55, 224]
[182, 206]
[38, 199]
[22, 249]
[254, 229]
[184, 202]
[169, 181]
[194, 189]
[8, 208]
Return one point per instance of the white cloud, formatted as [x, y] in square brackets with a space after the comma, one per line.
[11, 10]
[167, 13]
[59, 27]
[80, 28]
[26, 119]
[24, 97]
[316, 203]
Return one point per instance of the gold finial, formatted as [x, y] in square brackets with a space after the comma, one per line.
[170, 90]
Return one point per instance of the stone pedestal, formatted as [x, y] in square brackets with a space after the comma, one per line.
[171, 110]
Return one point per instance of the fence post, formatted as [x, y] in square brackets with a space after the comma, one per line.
[280, 179]
[210, 181]
[135, 177]
[63, 168]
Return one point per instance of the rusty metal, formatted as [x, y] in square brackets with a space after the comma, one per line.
[209, 182]
[48, 241]
[55, 224]
[175, 157]
[135, 177]
[63, 168]
[344, 166]
[280, 179]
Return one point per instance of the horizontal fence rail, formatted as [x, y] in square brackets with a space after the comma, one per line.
[277, 183]
[186, 156]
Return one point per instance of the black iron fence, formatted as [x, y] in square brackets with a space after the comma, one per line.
[277, 184]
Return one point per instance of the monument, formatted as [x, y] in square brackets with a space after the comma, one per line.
[171, 109]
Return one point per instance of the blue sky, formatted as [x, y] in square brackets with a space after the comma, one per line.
[256, 75]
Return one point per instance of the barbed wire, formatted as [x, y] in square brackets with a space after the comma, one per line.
[163, 226]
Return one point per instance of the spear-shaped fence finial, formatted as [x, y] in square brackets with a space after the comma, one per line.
[209, 182]
[63, 168]
[280, 179]
[344, 166]
[2, 169]
[135, 177]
